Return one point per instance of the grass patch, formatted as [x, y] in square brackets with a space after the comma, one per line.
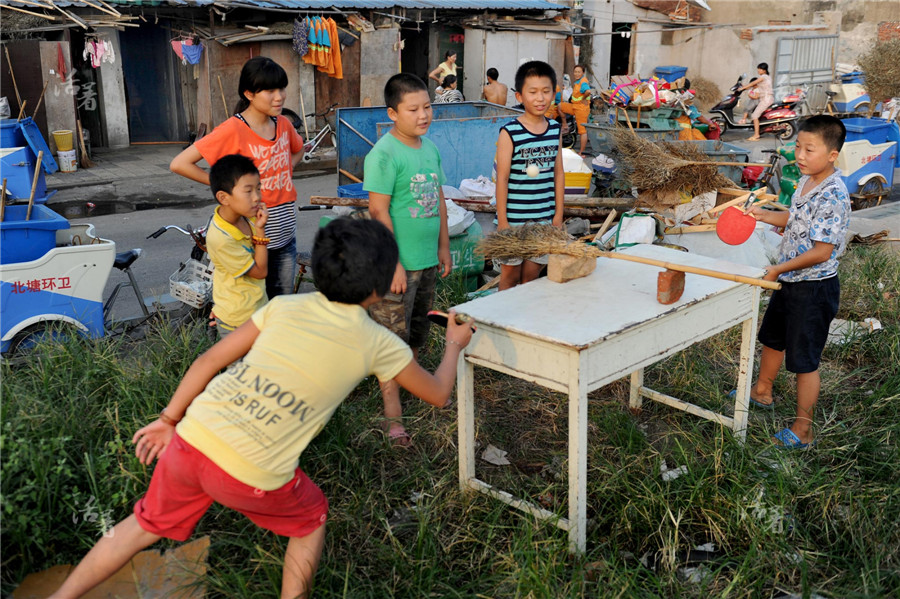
[822, 521]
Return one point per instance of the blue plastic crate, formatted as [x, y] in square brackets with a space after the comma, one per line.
[353, 190]
[854, 77]
[874, 131]
[670, 73]
[26, 240]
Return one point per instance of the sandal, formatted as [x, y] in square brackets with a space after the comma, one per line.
[754, 138]
[397, 435]
[769, 406]
[787, 439]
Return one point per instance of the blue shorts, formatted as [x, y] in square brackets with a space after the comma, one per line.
[797, 320]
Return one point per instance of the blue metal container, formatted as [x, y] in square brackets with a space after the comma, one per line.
[465, 134]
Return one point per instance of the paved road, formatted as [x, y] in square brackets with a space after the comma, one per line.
[162, 256]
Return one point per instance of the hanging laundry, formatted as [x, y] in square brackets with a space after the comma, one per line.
[176, 46]
[191, 52]
[333, 66]
[61, 63]
[109, 54]
[94, 52]
[301, 37]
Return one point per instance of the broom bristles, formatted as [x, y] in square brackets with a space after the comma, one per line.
[530, 241]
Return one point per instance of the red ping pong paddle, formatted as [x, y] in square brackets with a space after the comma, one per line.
[440, 318]
[734, 227]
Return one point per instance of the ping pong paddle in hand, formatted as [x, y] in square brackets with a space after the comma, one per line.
[734, 226]
[440, 318]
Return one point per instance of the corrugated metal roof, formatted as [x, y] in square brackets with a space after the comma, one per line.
[329, 4]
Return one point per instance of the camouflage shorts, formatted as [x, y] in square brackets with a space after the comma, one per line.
[406, 315]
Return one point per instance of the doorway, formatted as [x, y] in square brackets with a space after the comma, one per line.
[414, 58]
[152, 85]
[620, 49]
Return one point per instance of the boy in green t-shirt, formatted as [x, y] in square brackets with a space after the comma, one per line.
[403, 176]
[237, 243]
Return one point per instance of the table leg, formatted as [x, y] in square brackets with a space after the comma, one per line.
[465, 399]
[635, 401]
[745, 377]
[577, 457]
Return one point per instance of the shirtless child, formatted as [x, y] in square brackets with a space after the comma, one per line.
[494, 92]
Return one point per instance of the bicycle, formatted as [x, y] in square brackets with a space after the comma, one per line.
[312, 145]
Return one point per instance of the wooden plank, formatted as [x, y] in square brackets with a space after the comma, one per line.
[473, 205]
[690, 229]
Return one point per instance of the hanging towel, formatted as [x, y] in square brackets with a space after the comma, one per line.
[301, 37]
[176, 46]
[192, 53]
[61, 63]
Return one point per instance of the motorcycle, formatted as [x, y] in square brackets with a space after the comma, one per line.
[779, 120]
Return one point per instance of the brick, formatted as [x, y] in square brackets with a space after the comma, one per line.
[747, 34]
[562, 268]
[669, 286]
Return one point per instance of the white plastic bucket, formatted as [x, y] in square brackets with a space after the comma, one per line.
[67, 161]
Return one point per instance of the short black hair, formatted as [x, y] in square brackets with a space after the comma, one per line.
[258, 74]
[829, 128]
[448, 81]
[764, 66]
[351, 258]
[399, 85]
[228, 170]
[534, 68]
[492, 73]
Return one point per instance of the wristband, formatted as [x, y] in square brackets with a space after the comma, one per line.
[457, 343]
[260, 240]
[168, 419]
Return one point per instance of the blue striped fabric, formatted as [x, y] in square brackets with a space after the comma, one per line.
[531, 198]
[282, 225]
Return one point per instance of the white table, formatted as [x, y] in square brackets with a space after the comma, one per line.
[578, 336]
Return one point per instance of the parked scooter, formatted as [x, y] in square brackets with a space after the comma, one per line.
[781, 121]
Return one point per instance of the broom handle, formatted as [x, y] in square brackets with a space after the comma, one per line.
[41, 99]
[693, 162]
[12, 76]
[34, 184]
[694, 270]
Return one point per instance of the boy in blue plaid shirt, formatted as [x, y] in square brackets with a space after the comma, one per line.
[795, 326]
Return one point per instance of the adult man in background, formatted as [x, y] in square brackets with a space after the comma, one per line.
[494, 91]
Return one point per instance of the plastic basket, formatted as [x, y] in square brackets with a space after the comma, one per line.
[63, 139]
[192, 283]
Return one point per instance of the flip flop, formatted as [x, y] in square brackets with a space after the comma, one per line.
[399, 437]
[752, 139]
[787, 439]
[767, 406]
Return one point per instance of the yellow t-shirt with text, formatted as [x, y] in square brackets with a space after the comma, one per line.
[236, 296]
[256, 418]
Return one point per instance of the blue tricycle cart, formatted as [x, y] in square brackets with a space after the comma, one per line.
[868, 159]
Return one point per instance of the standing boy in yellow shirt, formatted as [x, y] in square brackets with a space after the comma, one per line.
[237, 242]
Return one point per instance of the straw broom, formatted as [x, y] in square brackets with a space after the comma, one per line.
[651, 166]
[530, 241]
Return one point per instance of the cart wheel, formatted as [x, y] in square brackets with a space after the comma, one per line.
[49, 330]
[862, 109]
[334, 141]
[721, 123]
[869, 195]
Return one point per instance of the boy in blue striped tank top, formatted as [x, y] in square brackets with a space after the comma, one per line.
[530, 180]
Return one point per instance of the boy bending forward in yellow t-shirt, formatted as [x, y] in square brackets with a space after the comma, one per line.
[236, 437]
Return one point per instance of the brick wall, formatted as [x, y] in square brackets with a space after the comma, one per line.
[888, 30]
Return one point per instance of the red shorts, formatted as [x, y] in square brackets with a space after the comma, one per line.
[186, 482]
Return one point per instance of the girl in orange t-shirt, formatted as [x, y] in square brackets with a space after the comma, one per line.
[257, 130]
